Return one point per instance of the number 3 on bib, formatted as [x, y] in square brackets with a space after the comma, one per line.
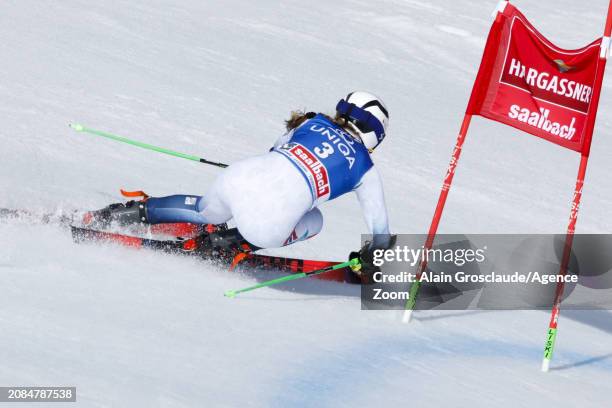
[326, 151]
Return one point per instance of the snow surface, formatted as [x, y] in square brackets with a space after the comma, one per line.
[217, 78]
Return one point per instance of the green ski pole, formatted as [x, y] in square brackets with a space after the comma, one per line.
[84, 129]
[233, 293]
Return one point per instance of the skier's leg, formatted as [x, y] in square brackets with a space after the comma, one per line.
[194, 209]
[307, 227]
[174, 208]
[268, 197]
[212, 208]
[281, 234]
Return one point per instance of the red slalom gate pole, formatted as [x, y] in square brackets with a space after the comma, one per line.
[571, 228]
[567, 250]
[435, 222]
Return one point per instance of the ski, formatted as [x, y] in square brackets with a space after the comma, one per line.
[189, 245]
[294, 265]
[183, 238]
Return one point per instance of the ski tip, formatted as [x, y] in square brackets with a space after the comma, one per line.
[545, 365]
[230, 293]
[76, 126]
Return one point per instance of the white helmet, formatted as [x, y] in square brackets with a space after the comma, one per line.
[369, 115]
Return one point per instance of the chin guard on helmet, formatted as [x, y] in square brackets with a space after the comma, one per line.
[362, 119]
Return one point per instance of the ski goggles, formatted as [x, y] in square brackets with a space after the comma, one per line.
[362, 119]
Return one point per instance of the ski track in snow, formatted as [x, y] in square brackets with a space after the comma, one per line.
[216, 79]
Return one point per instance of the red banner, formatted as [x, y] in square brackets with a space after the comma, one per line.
[527, 82]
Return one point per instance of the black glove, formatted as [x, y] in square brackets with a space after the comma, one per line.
[366, 267]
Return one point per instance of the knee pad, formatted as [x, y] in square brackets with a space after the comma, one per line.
[307, 227]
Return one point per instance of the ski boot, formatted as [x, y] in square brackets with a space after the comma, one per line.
[130, 213]
[133, 216]
[226, 245]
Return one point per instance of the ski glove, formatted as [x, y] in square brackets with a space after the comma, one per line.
[366, 268]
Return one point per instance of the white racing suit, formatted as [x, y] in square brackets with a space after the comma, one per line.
[273, 198]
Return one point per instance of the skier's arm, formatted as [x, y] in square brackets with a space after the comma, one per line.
[372, 200]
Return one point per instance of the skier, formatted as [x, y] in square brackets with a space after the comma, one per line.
[273, 198]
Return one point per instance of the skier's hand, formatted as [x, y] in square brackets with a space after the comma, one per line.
[366, 268]
[366, 261]
[355, 255]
